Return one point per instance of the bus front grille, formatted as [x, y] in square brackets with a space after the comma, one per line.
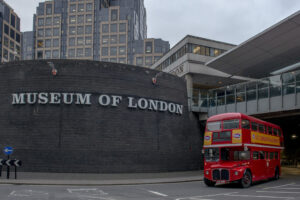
[220, 174]
[224, 174]
[216, 174]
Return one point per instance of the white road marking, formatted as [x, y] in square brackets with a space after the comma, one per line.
[87, 190]
[201, 197]
[279, 192]
[289, 188]
[86, 197]
[279, 186]
[157, 193]
[253, 196]
[27, 193]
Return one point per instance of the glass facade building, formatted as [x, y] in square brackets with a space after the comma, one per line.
[104, 30]
[10, 34]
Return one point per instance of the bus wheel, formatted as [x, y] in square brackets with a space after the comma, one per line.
[276, 176]
[246, 181]
[209, 183]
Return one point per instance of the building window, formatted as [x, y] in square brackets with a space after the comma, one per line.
[88, 19]
[40, 43]
[73, 8]
[48, 43]
[139, 61]
[72, 30]
[79, 41]
[71, 42]
[18, 24]
[12, 20]
[56, 21]
[6, 41]
[79, 52]
[18, 37]
[18, 49]
[12, 34]
[49, 9]
[48, 32]
[40, 33]
[56, 32]
[79, 30]
[11, 57]
[48, 21]
[122, 60]
[122, 50]
[122, 27]
[12, 45]
[113, 39]
[104, 51]
[113, 51]
[105, 39]
[105, 28]
[71, 53]
[88, 29]
[122, 39]
[113, 28]
[5, 54]
[88, 52]
[55, 42]
[72, 19]
[41, 21]
[40, 55]
[89, 7]
[6, 29]
[48, 54]
[148, 48]
[114, 15]
[81, 7]
[80, 19]
[55, 54]
[148, 60]
[113, 60]
[88, 40]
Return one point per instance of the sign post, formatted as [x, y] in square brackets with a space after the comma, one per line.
[8, 151]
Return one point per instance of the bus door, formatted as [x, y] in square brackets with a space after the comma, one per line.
[258, 165]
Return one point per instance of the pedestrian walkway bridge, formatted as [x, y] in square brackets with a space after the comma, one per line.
[273, 94]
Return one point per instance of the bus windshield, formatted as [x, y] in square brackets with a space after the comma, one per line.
[211, 155]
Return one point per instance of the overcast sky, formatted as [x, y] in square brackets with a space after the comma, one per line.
[232, 21]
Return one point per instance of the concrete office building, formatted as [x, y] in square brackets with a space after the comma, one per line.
[27, 45]
[149, 51]
[103, 30]
[10, 34]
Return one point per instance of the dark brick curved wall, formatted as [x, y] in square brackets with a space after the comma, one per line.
[81, 138]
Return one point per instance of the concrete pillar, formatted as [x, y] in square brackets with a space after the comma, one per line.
[189, 87]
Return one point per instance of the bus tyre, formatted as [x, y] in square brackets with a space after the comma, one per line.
[209, 183]
[246, 181]
[276, 176]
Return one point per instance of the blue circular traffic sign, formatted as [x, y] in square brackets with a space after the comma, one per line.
[8, 150]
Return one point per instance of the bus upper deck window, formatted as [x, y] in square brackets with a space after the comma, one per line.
[254, 126]
[214, 126]
[270, 130]
[261, 128]
[245, 124]
[231, 124]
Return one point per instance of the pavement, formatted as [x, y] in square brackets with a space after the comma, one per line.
[76, 179]
[81, 179]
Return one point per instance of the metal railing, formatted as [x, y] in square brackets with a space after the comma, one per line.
[266, 88]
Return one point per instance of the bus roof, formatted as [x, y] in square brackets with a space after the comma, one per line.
[226, 116]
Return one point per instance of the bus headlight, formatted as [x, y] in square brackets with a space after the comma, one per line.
[236, 173]
[207, 172]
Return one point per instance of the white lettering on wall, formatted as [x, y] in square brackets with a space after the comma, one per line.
[103, 100]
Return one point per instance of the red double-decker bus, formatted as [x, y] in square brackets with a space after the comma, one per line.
[241, 148]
